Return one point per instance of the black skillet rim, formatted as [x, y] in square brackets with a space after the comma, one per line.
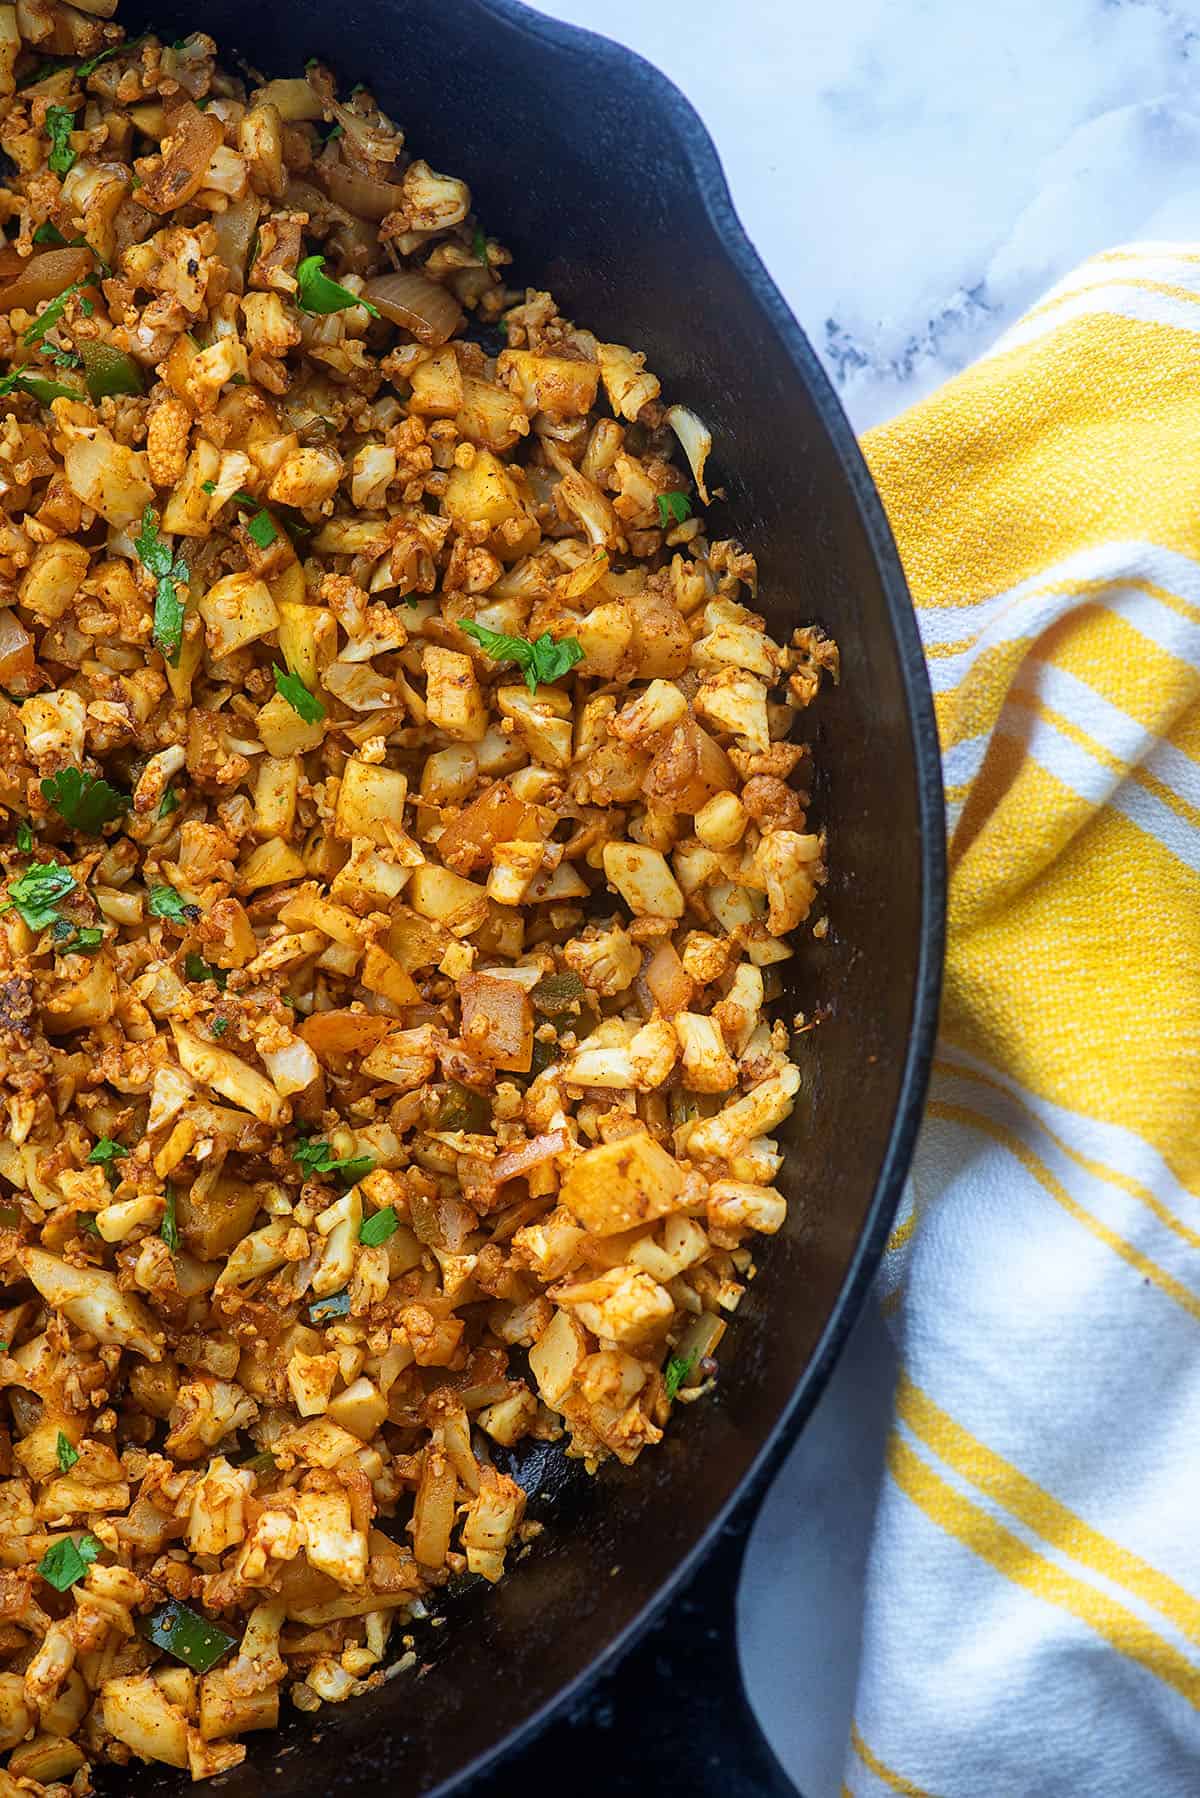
[678, 114]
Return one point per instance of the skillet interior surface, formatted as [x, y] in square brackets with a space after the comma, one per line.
[600, 178]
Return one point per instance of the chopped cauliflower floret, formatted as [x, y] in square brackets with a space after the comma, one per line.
[605, 960]
[624, 1304]
[401, 822]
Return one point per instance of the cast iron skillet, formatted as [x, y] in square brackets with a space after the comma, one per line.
[600, 177]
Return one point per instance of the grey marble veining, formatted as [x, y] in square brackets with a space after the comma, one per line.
[916, 174]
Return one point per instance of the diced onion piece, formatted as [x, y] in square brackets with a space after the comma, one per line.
[412, 300]
[697, 442]
[193, 137]
[16, 650]
[235, 228]
[360, 194]
[44, 278]
[92, 1300]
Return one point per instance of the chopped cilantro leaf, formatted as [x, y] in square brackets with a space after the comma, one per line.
[169, 1229]
[260, 526]
[24, 838]
[67, 1453]
[106, 1151]
[68, 1560]
[170, 572]
[165, 902]
[293, 689]
[37, 893]
[42, 389]
[479, 245]
[677, 1370]
[318, 1158]
[379, 1227]
[220, 1026]
[168, 803]
[196, 968]
[60, 122]
[52, 315]
[318, 292]
[93, 62]
[84, 801]
[673, 507]
[41, 71]
[542, 661]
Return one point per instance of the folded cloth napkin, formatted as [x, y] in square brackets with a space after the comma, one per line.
[1032, 1625]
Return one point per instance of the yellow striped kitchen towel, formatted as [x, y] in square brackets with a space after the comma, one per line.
[1032, 1625]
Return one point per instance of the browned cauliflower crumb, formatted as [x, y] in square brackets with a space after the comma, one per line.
[399, 828]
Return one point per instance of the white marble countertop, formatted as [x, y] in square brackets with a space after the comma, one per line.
[913, 178]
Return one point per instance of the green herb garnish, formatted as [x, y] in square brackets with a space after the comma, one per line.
[42, 389]
[191, 1638]
[60, 122]
[260, 527]
[106, 1151]
[673, 506]
[479, 245]
[84, 942]
[318, 292]
[336, 1305]
[540, 662]
[220, 1026]
[169, 1229]
[677, 1370]
[93, 62]
[318, 1158]
[45, 321]
[24, 838]
[306, 704]
[83, 800]
[67, 1561]
[170, 572]
[41, 71]
[260, 1463]
[37, 893]
[196, 968]
[168, 803]
[379, 1227]
[48, 232]
[67, 1453]
[165, 902]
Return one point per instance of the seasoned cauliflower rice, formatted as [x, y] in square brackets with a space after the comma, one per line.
[399, 844]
